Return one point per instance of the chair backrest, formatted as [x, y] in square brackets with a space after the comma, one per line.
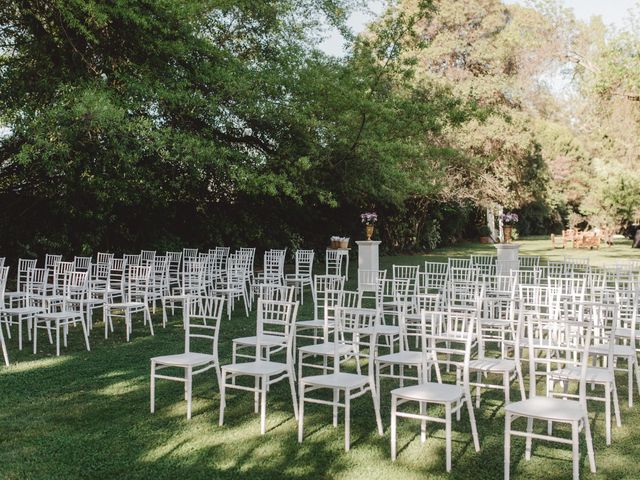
[439, 328]
[139, 278]
[24, 265]
[75, 286]
[251, 253]
[528, 262]
[409, 272]
[4, 273]
[477, 260]
[348, 323]
[558, 344]
[276, 318]
[60, 270]
[100, 277]
[51, 260]
[132, 260]
[189, 253]
[193, 272]
[174, 263]
[333, 262]
[104, 257]
[82, 264]
[147, 257]
[203, 322]
[2, 260]
[279, 293]
[36, 283]
[327, 295]
[304, 263]
[273, 267]
[372, 281]
[118, 273]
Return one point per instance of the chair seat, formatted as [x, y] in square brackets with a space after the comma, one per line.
[594, 374]
[618, 350]
[59, 315]
[260, 367]
[430, 392]
[545, 408]
[499, 365]
[22, 310]
[313, 324]
[336, 380]
[265, 341]
[401, 358]
[627, 333]
[326, 349]
[380, 330]
[188, 359]
[125, 305]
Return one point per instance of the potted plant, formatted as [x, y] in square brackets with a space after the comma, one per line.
[509, 219]
[485, 234]
[369, 219]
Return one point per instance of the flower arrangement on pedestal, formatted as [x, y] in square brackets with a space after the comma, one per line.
[509, 219]
[369, 219]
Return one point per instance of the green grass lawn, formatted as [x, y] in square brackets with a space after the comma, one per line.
[86, 415]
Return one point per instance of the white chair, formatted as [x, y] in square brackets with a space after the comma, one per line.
[31, 305]
[327, 295]
[372, 282]
[74, 292]
[350, 385]
[191, 284]
[452, 397]
[18, 296]
[263, 369]
[135, 300]
[604, 317]
[528, 262]
[200, 310]
[566, 346]
[333, 262]
[233, 284]
[303, 273]
[272, 340]
[173, 275]
[189, 253]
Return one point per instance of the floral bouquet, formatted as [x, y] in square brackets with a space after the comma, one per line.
[369, 218]
[509, 218]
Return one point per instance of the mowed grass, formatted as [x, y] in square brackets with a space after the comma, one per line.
[86, 415]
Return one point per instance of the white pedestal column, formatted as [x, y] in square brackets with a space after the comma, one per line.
[508, 254]
[368, 259]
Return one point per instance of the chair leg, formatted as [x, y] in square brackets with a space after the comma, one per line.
[347, 420]
[529, 440]
[222, 397]
[57, 338]
[376, 407]
[394, 407]
[616, 404]
[5, 354]
[293, 394]
[148, 317]
[86, 334]
[423, 423]
[301, 412]
[506, 380]
[507, 444]
[189, 388]
[607, 413]
[589, 441]
[152, 388]
[35, 336]
[472, 419]
[575, 450]
[448, 435]
[263, 405]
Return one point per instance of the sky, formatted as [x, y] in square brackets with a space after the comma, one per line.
[612, 12]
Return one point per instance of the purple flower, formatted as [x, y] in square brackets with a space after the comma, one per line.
[509, 218]
[369, 218]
